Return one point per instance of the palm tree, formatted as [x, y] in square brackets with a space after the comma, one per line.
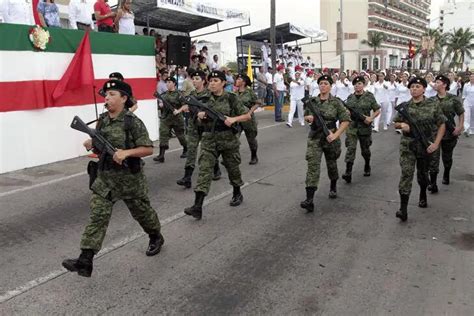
[375, 41]
[459, 44]
[435, 51]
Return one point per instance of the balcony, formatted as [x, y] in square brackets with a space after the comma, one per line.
[398, 8]
[416, 26]
[374, 26]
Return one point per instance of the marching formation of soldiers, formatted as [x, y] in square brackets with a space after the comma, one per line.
[213, 120]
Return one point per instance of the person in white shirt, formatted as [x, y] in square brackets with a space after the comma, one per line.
[215, 63]
[314, 87]
[307, 83]
[269, 96]
[17, 11]
[80, 15]
[296, 94]
[454, 86]
[392, 93]
[342, 87]
[264, 48]
[125, 19]
[403, 92]
[370, 83]
[382, 98]
[430, 90]
[279, 89]
[468, 103]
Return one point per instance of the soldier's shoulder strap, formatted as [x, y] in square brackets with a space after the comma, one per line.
[100, 120]
[127, 127]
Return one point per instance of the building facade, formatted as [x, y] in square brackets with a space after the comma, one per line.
[401, 21]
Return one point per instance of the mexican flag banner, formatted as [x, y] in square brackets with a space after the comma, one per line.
[44, 84]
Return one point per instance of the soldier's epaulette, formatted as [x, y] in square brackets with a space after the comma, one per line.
[369, 93]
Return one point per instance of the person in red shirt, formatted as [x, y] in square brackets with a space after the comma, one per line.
[104, 16]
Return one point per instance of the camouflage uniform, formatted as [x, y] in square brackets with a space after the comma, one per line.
[359, 131]
[217, 139]
[115, 182]
[248, 99]
[332, 110]
[429, 117]
[451, 106]
[194, 134]
[169, 121]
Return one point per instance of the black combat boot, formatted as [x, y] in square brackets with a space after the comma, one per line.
[253, 157]
[446, 176]
[402, 214]
[185, 152]
[348, 175]
[154, 247]
[333, 190]
[237, 197]
[161, 156]
[186, 180]
[308, 204]
[196, 210]
[367, 168]
[82, 265]
[217, 171]
[433, 187]
[423, 202]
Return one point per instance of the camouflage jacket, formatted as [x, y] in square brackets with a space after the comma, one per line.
[227, 104]
[451, 106]
[202, 96]
[331, 109]
[428, 116]
[363, 104]
[120, 182]
[172, 97]
[248, 99]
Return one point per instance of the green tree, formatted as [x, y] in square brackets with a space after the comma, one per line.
[375, 40]
[232, 65]
[459, 44]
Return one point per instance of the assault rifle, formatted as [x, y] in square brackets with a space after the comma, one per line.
[192, 101]
[99, 142]
[415, 130]
[166, 105]
[356, 115]
[319, 120]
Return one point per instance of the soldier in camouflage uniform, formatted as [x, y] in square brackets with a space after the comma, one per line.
[451, 106]
[171, 120]
[218, 138]
[248, 98]
[363, 102]
[429, 117]
[332, 109]
[114, 181]
[194, 134]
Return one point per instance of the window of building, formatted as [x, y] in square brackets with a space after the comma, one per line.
[364, 64]
[393, 61]
[375, 63]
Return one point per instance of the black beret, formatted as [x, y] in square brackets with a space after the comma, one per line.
[444, 79]
[326, 78]
[171, 79]
[119, 86]
[217, 74]
[246, 79]
[417, 80]
[116, 75]
[198, 73]
[358, 79]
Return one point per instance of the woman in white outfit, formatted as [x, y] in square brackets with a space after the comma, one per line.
[468, 101]
[314, 87]
[296, 94]
[125, 19]
[430, 90]
[370, 83]
[403, 93]
[381, 96]
[343, 87]
[392, 94]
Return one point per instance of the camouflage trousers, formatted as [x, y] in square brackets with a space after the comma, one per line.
[225, 144]
[446, 152]
[192, 139]
[409, 159]
[316, 148]
[176, 124]
[101, 211]
[351, 145]
[250, 129]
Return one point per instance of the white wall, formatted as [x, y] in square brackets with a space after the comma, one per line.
[36, 137]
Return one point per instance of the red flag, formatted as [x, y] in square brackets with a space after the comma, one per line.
[80, 71]
[35, 12]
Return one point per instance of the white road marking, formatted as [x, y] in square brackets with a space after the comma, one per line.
[57, 273]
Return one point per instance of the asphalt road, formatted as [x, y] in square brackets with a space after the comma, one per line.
[267, 256]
